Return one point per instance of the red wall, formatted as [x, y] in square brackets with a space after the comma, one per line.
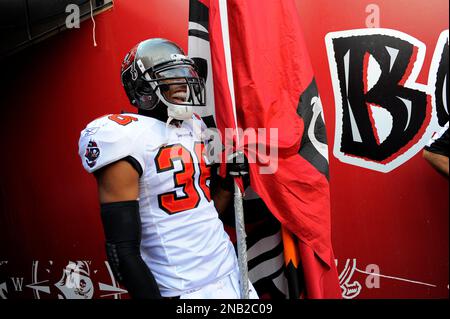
[396, 220]
[48, 203]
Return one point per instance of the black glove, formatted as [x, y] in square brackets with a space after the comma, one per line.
[237, 165]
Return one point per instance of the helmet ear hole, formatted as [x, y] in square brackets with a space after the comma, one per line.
[143, 87]
[129, 90]
[147, 101]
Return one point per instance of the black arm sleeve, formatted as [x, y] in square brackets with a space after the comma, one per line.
[122, 226]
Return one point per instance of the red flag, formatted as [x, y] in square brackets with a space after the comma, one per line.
[271, 71]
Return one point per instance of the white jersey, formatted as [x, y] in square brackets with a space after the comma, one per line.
[183, 240]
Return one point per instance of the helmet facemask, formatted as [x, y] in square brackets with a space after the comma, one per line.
[177, 86]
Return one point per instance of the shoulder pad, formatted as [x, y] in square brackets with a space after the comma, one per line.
[114, 137]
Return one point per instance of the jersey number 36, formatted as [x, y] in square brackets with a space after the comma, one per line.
[170, 202]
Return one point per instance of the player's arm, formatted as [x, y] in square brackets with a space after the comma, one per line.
[438, 161]
[436, 151]
[222, 194]
[118, 189]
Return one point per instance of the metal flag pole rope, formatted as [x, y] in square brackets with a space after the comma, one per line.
[238, 207]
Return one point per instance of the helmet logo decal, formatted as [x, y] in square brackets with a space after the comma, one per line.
[129, 58]
[92, 153]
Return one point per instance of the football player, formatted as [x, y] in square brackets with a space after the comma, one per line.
[163, 234]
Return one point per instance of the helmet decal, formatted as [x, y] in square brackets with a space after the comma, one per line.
[129, 58]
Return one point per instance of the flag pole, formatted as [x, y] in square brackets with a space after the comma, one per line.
[238, 206]
[241, 241]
